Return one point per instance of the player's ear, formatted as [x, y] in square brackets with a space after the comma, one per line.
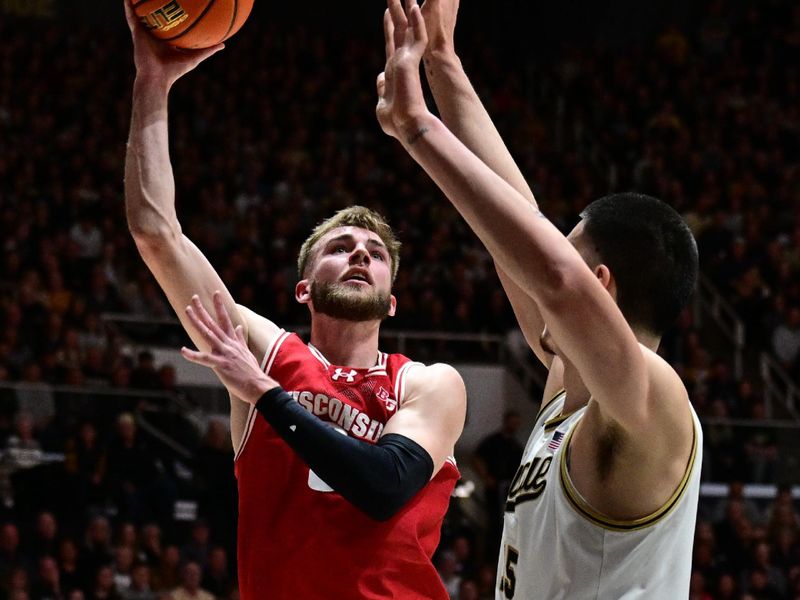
[603, 274]
[392, 305]
[302, 291]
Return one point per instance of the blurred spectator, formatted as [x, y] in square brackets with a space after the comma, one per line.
[468, 590]
[198, 547]
[71, 576]
[18, 583]
[215, 481]
[762, 562]
[140, 584]
[85, 464]
[761, 449]
[697, 587]
[496, 460]
[47, 585]
[759, 586]
[448, 571]
[167, 575]
[462, 551]
[786, 339]
[132, 470]
[189, 588]
[45, 537]
[736, 496]
[727, 588]
[87, 236]
[151, 544]
[145, 376]
[217, 578]
[487, 577]
[103, 588]
[97, 550]
[123, 564]
[12, 558]
[128, 536]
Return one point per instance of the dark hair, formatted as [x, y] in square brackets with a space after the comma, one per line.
[651, 253]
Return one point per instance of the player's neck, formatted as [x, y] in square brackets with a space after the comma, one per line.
[651, 341]
[346, 343]
[577, 392]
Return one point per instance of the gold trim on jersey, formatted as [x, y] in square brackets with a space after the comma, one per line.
[586, 511]
[556, 421]
[548, 404]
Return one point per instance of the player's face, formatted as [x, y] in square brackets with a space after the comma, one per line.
[351, 276]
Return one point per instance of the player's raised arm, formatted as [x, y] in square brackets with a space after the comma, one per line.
[177, 264]
[585, 322]
[465, 115]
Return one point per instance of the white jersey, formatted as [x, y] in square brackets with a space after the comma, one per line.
[555, 546]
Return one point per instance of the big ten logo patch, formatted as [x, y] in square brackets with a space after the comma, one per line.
[384, 396]
[165, 18]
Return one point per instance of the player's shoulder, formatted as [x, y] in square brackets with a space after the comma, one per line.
[437, 391]
[436, 373]
[438, 381]
[664, 381]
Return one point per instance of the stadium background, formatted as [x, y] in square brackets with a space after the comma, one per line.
[115, 463]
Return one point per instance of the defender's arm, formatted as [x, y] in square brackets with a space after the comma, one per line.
[465, 115]
[585, 322]
[536, 256]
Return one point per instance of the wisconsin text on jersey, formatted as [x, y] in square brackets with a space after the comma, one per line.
[350, 419]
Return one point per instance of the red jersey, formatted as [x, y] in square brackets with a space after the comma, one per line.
[300, 540]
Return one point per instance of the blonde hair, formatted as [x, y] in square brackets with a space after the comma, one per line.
[354, 216]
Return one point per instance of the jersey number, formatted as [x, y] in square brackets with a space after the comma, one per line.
[509, 581]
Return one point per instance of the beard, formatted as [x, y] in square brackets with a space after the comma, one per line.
[340, 301]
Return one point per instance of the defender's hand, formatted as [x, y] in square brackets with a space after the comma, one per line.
[229, 357]
[158, 61]
[440, 21]
[401, 104]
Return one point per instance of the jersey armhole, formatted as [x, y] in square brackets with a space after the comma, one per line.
[266, 365]
[584, 510]
[399, 383]
[548, 404]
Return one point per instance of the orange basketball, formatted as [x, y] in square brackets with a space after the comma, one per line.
[192, 23]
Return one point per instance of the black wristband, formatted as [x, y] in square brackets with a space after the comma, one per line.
[377, 478]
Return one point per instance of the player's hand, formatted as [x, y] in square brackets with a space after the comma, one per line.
[229, 356]
[156, 60]
[440, 21]
[401, 104]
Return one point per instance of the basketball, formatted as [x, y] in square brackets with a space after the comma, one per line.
[192, 24]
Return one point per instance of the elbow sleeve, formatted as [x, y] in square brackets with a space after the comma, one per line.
[379, 479]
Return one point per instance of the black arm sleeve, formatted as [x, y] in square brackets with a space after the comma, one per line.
[378, 479]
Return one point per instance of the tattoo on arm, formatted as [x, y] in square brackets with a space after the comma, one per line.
[417, 136]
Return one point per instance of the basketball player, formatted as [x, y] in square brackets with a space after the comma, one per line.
[603, 505]
[345, 477]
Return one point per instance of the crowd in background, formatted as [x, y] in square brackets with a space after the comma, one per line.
[276, 133]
